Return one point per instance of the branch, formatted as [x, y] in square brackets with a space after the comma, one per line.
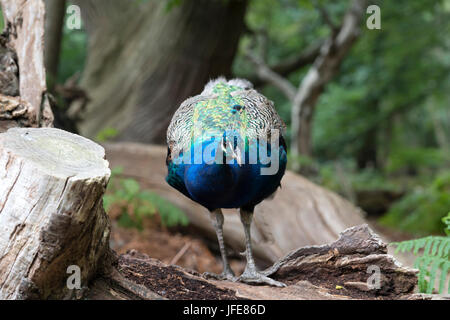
[295, 63]
[326, 17]
[267, 75]
[292, 64]
[324, 68]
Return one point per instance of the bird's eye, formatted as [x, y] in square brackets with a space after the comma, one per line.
[237, 107]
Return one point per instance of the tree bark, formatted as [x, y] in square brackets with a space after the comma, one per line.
[143, 60]
[24, 35]
[51, 211]
[54, 19]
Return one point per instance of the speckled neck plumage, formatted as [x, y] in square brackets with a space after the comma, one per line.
[220, 113]
[212, 112]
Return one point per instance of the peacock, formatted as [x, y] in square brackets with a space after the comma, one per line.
[226, 150]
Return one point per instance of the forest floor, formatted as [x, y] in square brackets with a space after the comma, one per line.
[182, 247]
[175, 246]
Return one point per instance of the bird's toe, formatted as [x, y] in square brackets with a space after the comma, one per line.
[258, 278]
[226, 275]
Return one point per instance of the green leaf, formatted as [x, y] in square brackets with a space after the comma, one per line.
[106, 134]
[131, 187]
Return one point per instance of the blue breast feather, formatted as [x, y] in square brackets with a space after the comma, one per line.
[227, 185]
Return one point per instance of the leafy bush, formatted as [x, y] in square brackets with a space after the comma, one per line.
[73, 53]
[415, 159]
[333, 174]
[421, 210]
[434, 258]
[132, 204]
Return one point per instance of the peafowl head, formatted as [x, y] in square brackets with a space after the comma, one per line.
[224, 124]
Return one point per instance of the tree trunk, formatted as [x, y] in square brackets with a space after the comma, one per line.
[54, 19]
[303, 125]
[144, 60]
[51, 211]
[322, 71]
[367, 155]
[24, 35]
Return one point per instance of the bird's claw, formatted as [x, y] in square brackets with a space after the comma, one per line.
[254, 277]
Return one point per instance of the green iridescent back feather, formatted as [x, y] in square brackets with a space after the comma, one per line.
[214, 111]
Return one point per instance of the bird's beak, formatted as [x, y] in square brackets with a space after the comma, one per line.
[234, 154]
[237, 156]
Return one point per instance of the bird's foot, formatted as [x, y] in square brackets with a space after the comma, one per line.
[225, 275]
[254, 277]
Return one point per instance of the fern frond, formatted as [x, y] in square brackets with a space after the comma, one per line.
[446, 221]
[433, 246]
[434, 258]
[444, 272]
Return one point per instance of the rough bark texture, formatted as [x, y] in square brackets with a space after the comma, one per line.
[144, 60]
[51, 211]
[300, 214]
[24, 35]
[15, 112]
[330, 272]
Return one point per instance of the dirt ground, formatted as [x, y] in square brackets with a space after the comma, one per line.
[170, 247]
[180, 247]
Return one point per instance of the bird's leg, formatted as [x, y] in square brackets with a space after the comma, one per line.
[217, 219]
[250, 274]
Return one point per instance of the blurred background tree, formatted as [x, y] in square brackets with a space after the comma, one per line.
[379, 129]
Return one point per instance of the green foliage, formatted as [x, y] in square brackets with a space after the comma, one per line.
[416, 159]
[332, 174]
[421, 210]
[391, 94]
[73, 53]
[106, 134]
[135, 204]
[172, 3]
[434, 257]
[384, 85]
[2, 23]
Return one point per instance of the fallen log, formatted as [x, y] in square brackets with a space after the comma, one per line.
[51, 211]
[335, 271]
[300, 214]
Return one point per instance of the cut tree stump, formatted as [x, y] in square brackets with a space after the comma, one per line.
[51, 211]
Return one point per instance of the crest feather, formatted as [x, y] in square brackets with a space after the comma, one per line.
[244, 84]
